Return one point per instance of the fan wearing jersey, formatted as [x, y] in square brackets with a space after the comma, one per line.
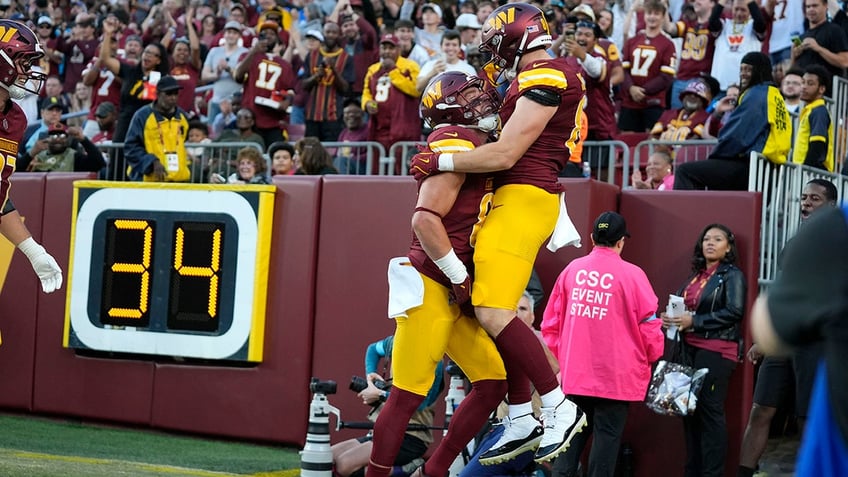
[269, 82]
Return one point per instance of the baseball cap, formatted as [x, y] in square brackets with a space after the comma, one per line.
[269, 24]
[233, 25]
[585, 10]
[609, 228]
[314, 34]
[239, 6]
[51, 102]
[432, 6]
[57, 128]
[104, 109]
[468, 20]
[389, 38]
[44, 19]
[168, 83]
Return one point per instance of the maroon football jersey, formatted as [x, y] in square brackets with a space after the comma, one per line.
[269, 79]
[600, 108]
[188, 77]
[469, 210]
[107, 87]
[696, 55]
[13, 123]
[645, 58]
[677, 125]
[541, 163]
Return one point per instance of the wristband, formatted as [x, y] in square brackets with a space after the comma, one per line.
[452, 267]
[446, 162]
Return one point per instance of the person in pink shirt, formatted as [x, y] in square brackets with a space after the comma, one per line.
[601, 325]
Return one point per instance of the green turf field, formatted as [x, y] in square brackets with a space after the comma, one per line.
[37, 447]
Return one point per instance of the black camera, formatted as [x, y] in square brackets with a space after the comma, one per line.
[317, 386]
[358, 383]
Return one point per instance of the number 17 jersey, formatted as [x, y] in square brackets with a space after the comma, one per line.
[646, 58]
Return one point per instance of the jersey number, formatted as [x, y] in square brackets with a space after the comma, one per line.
[268, 75]
[642, 61]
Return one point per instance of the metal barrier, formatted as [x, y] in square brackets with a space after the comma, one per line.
[839, 117]
[781, 186]
[206, 158]
[401, 149]
[611, 151]
[345, 152]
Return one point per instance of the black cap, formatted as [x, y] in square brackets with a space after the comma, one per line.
[51, 102]
[104, 109]
[167, 83]
[609, 228]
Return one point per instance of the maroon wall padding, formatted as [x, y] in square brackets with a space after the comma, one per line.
[109, 389]
[665, 226]
[585, 200]
[19, 301]
[365, 221]
[269, 401]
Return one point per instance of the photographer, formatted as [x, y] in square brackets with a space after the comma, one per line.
[351, 456]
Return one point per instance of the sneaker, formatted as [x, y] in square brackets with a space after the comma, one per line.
[520, 435]
[562, 423]
[407, 469]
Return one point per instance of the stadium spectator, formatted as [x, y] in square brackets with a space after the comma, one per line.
[580, 49]
[712, 331]
[328, 79]
[448, 60]
[55, 154]
[282, 158]
[390, 98]
[51, 113]
[658, 172]
[814, 139]
[225, 119]
[469, 32]
[606, 22]
[353, 159]
[237, 20]
[740, 34]
[186, 64]
[360, 42]
[699, 39]
[648, 60]
[53, 87]
[688, 122]
[105, 87]
[430, 34]
[80, 102]
[79, 49]
[245, 130]
[778, 374]
[47, 37]
[106, 117]
[221, 62]
[268, 83]
[580, 319]
[155, 144]
[138, 85]
[790, 88]
[198, 133]
[823, 43]
[405, 32]
[603, 46]
[786, 21]
[722, 111]
[132, 50]
[759, 123]
[208, 30]
[312, 158]
[250, 169]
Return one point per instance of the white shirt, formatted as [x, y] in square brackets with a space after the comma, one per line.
[733, 43]
[461, 66]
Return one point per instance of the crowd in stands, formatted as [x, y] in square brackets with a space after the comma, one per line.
[267, 71]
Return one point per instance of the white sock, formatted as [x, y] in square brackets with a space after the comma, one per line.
[553, 398]
[518, 410]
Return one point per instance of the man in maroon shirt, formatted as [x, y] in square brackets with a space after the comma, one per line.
[268, 83]
[78, 50]
[648, 60]
[699, 36]
[359, 40]
[329, 77]
[689, 121]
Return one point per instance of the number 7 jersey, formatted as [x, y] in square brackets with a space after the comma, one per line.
[269, 78]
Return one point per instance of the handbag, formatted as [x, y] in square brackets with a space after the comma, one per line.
[674, 386]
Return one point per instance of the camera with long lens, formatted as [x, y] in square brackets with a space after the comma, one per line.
[358, 383]
[317, 386]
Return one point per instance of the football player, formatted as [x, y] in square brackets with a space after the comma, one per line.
[449, 212]
[19, 51]
[541, 115]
